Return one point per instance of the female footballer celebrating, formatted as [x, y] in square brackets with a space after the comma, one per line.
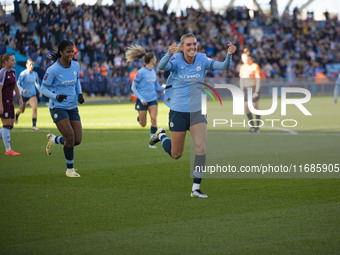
[145, 86]
[27, 82]
[61, 84]
[183, 96]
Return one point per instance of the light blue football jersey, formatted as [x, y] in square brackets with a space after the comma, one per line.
[59, 80]
[145, 85]
[28, 81]
[184, 90]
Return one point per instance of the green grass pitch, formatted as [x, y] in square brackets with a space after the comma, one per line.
[134, 200]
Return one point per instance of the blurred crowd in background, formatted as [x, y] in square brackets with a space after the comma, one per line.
[285, 47]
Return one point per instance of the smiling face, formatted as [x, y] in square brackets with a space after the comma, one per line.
[67, 54]
[189, 48]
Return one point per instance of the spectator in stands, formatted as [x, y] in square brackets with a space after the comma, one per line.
[126, 84]
[115, 86]
[110, 28]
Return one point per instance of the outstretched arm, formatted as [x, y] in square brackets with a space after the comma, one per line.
[226, 63]
[164, 63]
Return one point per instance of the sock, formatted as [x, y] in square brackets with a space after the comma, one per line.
[166, 143]
[250, 117]
[59, 140]
[0, 133]
[196, 186]
[16, 116]
[68, 152]
[198, 175]
[258, 117]
[6, 138]
[153, 130]
[34, 122]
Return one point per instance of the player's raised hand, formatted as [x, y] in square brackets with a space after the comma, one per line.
[172, 48]
[231, 48]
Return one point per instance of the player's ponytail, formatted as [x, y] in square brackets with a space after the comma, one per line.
[3, 58]
[55, 54]
[137, 52]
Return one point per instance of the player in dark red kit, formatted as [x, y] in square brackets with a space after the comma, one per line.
[8, 83]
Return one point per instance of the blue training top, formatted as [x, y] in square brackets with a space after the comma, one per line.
[28, 81]
[59, 80]
[183, 93]
[145, 85]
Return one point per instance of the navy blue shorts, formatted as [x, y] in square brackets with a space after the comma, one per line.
[140, 107]
[182, 121]
[59, 114]
[25, 99]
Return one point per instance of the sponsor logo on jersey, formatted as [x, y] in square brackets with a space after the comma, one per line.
[69, 82]
[189, 76]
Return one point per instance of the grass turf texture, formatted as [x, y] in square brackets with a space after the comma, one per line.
[135, 200]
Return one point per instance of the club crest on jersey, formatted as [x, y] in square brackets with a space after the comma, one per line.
[6, 114]
[171, 124]
[75, 73]
[55, 116]
[198, 68]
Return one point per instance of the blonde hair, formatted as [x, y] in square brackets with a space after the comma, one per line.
[137, 52]
[183, 37]
[3, 58]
